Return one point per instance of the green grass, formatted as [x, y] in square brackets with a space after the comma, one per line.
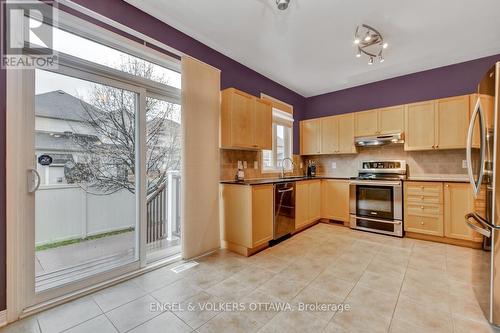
[78, 240]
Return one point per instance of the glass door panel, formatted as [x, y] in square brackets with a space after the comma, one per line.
[85, 206]
[163, 161]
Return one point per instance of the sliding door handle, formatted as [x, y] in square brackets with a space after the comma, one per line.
[34, 180]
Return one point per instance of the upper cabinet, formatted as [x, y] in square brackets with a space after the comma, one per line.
[452, 122]
[246, 121]
[437, 124]
[328, 135]
[366, 123]
[391, 120]
[310, 137]
[346, 134]
[420, 128]
[379, 121]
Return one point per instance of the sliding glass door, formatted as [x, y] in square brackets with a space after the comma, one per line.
[103, 143]
[86, 152]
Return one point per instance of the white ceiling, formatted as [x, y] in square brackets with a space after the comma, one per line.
[309, 47]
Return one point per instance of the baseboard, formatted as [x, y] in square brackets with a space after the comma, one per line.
[446, 240]
[3, 318]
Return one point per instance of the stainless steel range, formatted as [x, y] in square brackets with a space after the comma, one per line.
[376, 197]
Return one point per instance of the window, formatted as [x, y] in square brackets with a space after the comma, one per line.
[282, 143]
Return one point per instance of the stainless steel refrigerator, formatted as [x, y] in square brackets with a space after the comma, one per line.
[482, 160]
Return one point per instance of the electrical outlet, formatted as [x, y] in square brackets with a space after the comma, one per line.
[256, 165]
[240, 165]
[245, 165]
[334, 165]
[464, 164]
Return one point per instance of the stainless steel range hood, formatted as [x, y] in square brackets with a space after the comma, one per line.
[379, 140]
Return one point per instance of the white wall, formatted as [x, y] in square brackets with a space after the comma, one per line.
[66, 211]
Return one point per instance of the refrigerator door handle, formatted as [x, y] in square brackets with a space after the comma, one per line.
[476, 186]
[485, 231]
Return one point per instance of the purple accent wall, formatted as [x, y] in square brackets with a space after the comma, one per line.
[452, 80]
[3, 231]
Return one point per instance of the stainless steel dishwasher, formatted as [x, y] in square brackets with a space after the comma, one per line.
[284, 209]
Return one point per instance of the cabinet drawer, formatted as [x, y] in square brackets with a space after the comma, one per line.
[425, 225]
[423, 199]
[424, 210]
[424, 192]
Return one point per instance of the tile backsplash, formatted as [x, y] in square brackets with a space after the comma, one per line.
[229, 164]
[420, 163]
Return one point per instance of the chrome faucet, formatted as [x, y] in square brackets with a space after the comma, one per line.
[283, 166]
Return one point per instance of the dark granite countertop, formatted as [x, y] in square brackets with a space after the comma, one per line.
[277, 180]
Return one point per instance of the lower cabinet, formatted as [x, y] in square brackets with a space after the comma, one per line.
[246, 217]
[423, 208]
[307, 202]
[458, 202]
[438, 209]
[335, 199]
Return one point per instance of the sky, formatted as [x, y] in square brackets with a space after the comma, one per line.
[91, 51]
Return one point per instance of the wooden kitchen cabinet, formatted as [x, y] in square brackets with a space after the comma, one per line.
[423, 208]
[335, 199]
[246, 121]
[247, 217]
[329, 135]
[337, 134]
[437, 124]
[458, 201]
[391, 120]
[314, 200]
[366, 123]
[310, 137]
[301, 204]
[346, 134]
[420, 129]
[380, 121]
[452, 122]
[263, 126]
[307, 202]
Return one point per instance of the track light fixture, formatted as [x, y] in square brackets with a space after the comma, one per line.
[369, 42]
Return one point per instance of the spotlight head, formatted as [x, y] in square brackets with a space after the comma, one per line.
[282, 4]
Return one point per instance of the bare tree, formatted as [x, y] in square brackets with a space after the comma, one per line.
[108, 161]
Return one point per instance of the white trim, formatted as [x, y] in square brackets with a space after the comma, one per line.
[282, 117]
[19, 118]
[276, 100]
[104, 284]
[119, 26]
[3, 318]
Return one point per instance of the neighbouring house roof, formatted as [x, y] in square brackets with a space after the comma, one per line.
[60, 105]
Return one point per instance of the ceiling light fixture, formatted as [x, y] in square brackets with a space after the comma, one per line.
[369, 42]
[282, 4]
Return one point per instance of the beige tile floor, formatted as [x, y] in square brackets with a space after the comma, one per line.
[391, 285]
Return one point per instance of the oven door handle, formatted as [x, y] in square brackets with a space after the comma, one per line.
[377, 220]
[375, 183]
